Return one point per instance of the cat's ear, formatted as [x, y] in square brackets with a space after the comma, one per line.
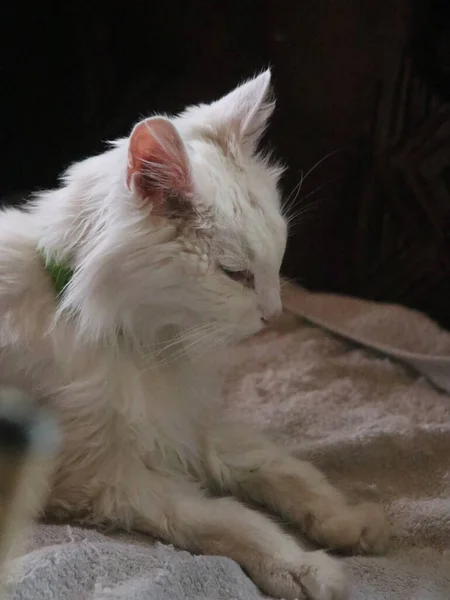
[158, 165]
[247, 109]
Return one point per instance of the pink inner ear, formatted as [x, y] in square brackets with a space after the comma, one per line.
[157, 161]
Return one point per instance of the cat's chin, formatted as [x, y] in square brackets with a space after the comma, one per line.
[244, 333]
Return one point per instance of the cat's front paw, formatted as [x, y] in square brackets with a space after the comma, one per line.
[312, 576]
[360, 529]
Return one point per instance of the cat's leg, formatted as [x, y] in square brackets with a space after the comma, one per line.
[179, 513]
[247, 465]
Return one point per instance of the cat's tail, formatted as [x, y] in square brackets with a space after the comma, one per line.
[28, 444]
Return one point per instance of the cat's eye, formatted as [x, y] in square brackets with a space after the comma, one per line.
[244, 277]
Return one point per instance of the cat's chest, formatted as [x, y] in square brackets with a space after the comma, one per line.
[128, 401]
[163, 409]
[155, 412]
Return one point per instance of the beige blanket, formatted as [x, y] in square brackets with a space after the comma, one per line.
[379, 428]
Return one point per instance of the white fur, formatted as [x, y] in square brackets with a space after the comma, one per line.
[127, 355]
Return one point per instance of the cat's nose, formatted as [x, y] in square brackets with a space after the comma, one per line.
[270, 305]
[272, 317]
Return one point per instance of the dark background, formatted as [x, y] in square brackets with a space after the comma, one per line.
[362, 91]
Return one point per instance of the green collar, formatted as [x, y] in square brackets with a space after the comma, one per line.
[59, 273]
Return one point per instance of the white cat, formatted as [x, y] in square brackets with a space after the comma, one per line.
[116, 291]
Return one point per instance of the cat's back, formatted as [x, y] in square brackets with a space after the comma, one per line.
[27, 305]
[21, 272]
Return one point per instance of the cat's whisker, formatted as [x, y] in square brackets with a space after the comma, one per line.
[292, 198]
[286, 281]
[149, 357]
[216, 342]
[320, 161]
[179, 338]
[304, 210]
[178, 342]
[182, 351]
[289, 213]
[309, 194]
[164, 342]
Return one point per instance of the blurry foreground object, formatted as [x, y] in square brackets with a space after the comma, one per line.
[28, 442]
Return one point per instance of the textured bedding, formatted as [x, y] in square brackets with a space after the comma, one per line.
[368, 406]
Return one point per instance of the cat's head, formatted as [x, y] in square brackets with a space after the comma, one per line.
[202, 236]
